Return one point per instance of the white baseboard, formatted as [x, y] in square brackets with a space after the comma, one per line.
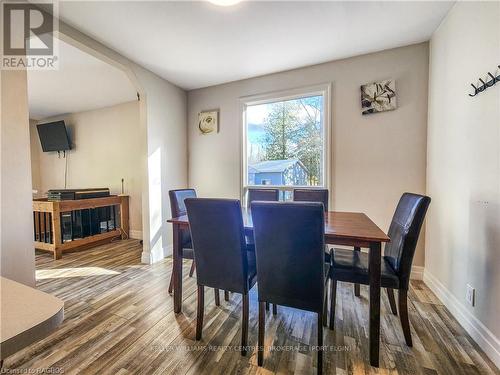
[168, 250]
[417, 273]
[135, 234]
[486, 340]
[146, 257]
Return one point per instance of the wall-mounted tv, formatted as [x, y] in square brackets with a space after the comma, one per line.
[53, 136]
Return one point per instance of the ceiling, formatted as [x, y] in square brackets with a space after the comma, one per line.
[199, 44]
[82, 83]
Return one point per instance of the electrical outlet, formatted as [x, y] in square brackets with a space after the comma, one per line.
[470, 295]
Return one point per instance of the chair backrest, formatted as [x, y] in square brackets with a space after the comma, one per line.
[289, 245]
[311, 195]
[177, 197]
[403, 232]
[268, 195]
[218, 242]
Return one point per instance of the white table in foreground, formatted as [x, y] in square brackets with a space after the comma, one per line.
[26, 316]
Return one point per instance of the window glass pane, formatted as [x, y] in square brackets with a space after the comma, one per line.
[285, 142]
[286, 195]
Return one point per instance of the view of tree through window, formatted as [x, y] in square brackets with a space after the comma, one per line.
[285, 142]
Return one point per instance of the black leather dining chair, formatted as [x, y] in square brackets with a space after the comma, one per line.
[268, 195]
[314, 195]
[220, 251]
[178, 208]
[320, 195]
[311, 195]
[289, 245]
[264, 195]
[352, 266]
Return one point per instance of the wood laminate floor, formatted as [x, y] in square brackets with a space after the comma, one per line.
[119, 320]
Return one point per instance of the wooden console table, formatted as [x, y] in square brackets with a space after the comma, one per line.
[48, 217]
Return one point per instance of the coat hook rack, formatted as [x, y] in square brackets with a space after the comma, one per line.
[486, 84]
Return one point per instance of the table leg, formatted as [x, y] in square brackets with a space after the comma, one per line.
[374, 272]
[357, 289]
[177, 271]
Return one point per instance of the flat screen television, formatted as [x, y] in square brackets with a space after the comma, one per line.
[53, 136]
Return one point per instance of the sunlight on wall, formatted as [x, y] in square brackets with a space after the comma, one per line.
[155, 206]
[156, 249]
[61, 273]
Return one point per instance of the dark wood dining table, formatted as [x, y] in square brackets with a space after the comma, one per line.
[341, 228]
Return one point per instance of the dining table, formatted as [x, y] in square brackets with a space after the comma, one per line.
[353, 229]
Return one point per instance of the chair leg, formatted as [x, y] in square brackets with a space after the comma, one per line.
[403, 315]
[171, 285]
[320, 343]
[275, 309]
[267, 306]
[333, 302]
[357, 291]
[226, 295]
[193, 267]
[392, 300]
[217, 297]
[199, 314]
[244, 325]
[262, 330]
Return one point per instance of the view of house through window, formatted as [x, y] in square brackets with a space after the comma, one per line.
[285, 142]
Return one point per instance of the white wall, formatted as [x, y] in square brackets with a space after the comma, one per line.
[36, 180]
[17, 261]
[463, 175]
[162, 119]
[106, 148]
[167, 158]
[375, 158]
[162, 115]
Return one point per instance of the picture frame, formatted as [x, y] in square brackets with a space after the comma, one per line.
[208, 122]
[378, 97]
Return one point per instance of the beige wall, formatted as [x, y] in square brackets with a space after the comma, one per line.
[375, 158]
[17, 261]
[463, 175]
[106, 148]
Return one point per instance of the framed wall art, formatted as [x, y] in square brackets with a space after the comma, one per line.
[208, 121]
[378, 97]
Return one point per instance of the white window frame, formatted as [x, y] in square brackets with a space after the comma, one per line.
[322, 89]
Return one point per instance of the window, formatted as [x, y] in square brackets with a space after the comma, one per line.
[285, 141]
